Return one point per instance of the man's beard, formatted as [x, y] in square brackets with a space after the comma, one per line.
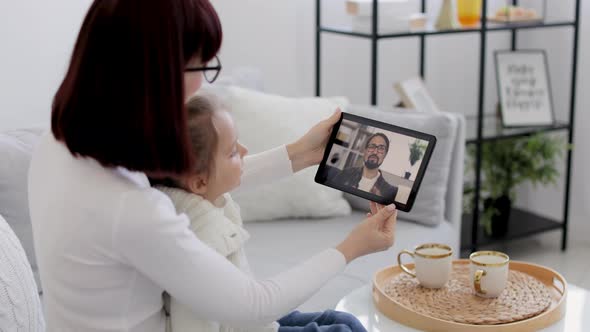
[371, 163]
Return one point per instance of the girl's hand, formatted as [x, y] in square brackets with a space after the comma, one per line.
[309, 149]
[376, 233]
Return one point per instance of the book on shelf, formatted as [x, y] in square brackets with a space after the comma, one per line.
[394, 16]
[413, 94]
[389, 24]
[386, 7]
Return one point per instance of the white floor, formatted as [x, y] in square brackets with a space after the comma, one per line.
[544, 249]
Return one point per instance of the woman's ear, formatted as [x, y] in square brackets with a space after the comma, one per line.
[197, 184]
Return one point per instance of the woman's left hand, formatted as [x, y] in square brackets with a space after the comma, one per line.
[309, 149]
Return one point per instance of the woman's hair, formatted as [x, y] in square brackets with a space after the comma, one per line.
[122, 99]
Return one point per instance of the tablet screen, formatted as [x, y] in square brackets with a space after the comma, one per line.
[378, 161]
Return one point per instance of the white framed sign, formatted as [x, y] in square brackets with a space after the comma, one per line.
[524, 88]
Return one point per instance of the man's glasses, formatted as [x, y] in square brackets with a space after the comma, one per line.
[379, 148]
[210, 71]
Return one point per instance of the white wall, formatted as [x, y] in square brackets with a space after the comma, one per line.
[261, 34]
[278, 37]
[397, 160]
[37, 39]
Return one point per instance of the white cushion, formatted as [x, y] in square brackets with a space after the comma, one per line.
[16, 148]
[20, 307]
[429, 206]
[243, 77]
[265, 121]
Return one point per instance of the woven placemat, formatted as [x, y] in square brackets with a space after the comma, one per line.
[523, 297]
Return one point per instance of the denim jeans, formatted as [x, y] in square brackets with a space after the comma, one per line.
[327, 321]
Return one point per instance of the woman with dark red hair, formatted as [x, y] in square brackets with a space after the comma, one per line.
[108, 244]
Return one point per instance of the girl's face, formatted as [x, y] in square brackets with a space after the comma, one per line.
[229, 159]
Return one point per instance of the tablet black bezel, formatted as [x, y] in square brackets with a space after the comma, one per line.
[320, 175]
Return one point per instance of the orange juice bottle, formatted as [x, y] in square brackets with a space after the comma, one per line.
[469, 12]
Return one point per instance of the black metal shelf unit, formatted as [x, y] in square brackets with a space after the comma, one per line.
[480, 128]
[432, 31]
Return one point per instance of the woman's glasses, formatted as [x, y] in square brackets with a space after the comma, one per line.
[210, 71]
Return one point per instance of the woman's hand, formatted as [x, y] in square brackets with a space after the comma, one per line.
[376, 233]
[309, 149]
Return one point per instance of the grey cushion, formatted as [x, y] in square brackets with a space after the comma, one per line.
[15, 150]
[429, 207]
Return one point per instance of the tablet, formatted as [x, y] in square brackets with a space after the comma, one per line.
[376, 160]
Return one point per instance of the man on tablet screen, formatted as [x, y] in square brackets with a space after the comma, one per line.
[368, 177]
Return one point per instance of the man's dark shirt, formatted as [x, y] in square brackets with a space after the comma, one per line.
[352, 176]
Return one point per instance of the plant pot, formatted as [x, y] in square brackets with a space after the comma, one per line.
[503, 206]
[407, 175]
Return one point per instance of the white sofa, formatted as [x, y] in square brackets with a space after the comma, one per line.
[274, 245]
[20, 308]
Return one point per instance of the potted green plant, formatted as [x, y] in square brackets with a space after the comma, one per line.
[504, 165]
[417, 150]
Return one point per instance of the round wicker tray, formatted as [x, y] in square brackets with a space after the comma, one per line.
[533, 299]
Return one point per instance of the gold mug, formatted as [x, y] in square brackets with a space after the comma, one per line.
[433, 264]
[489, 273]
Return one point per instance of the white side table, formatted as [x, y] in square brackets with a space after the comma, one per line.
[360, 303]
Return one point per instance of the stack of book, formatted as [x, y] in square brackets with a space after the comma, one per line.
[394, 15]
